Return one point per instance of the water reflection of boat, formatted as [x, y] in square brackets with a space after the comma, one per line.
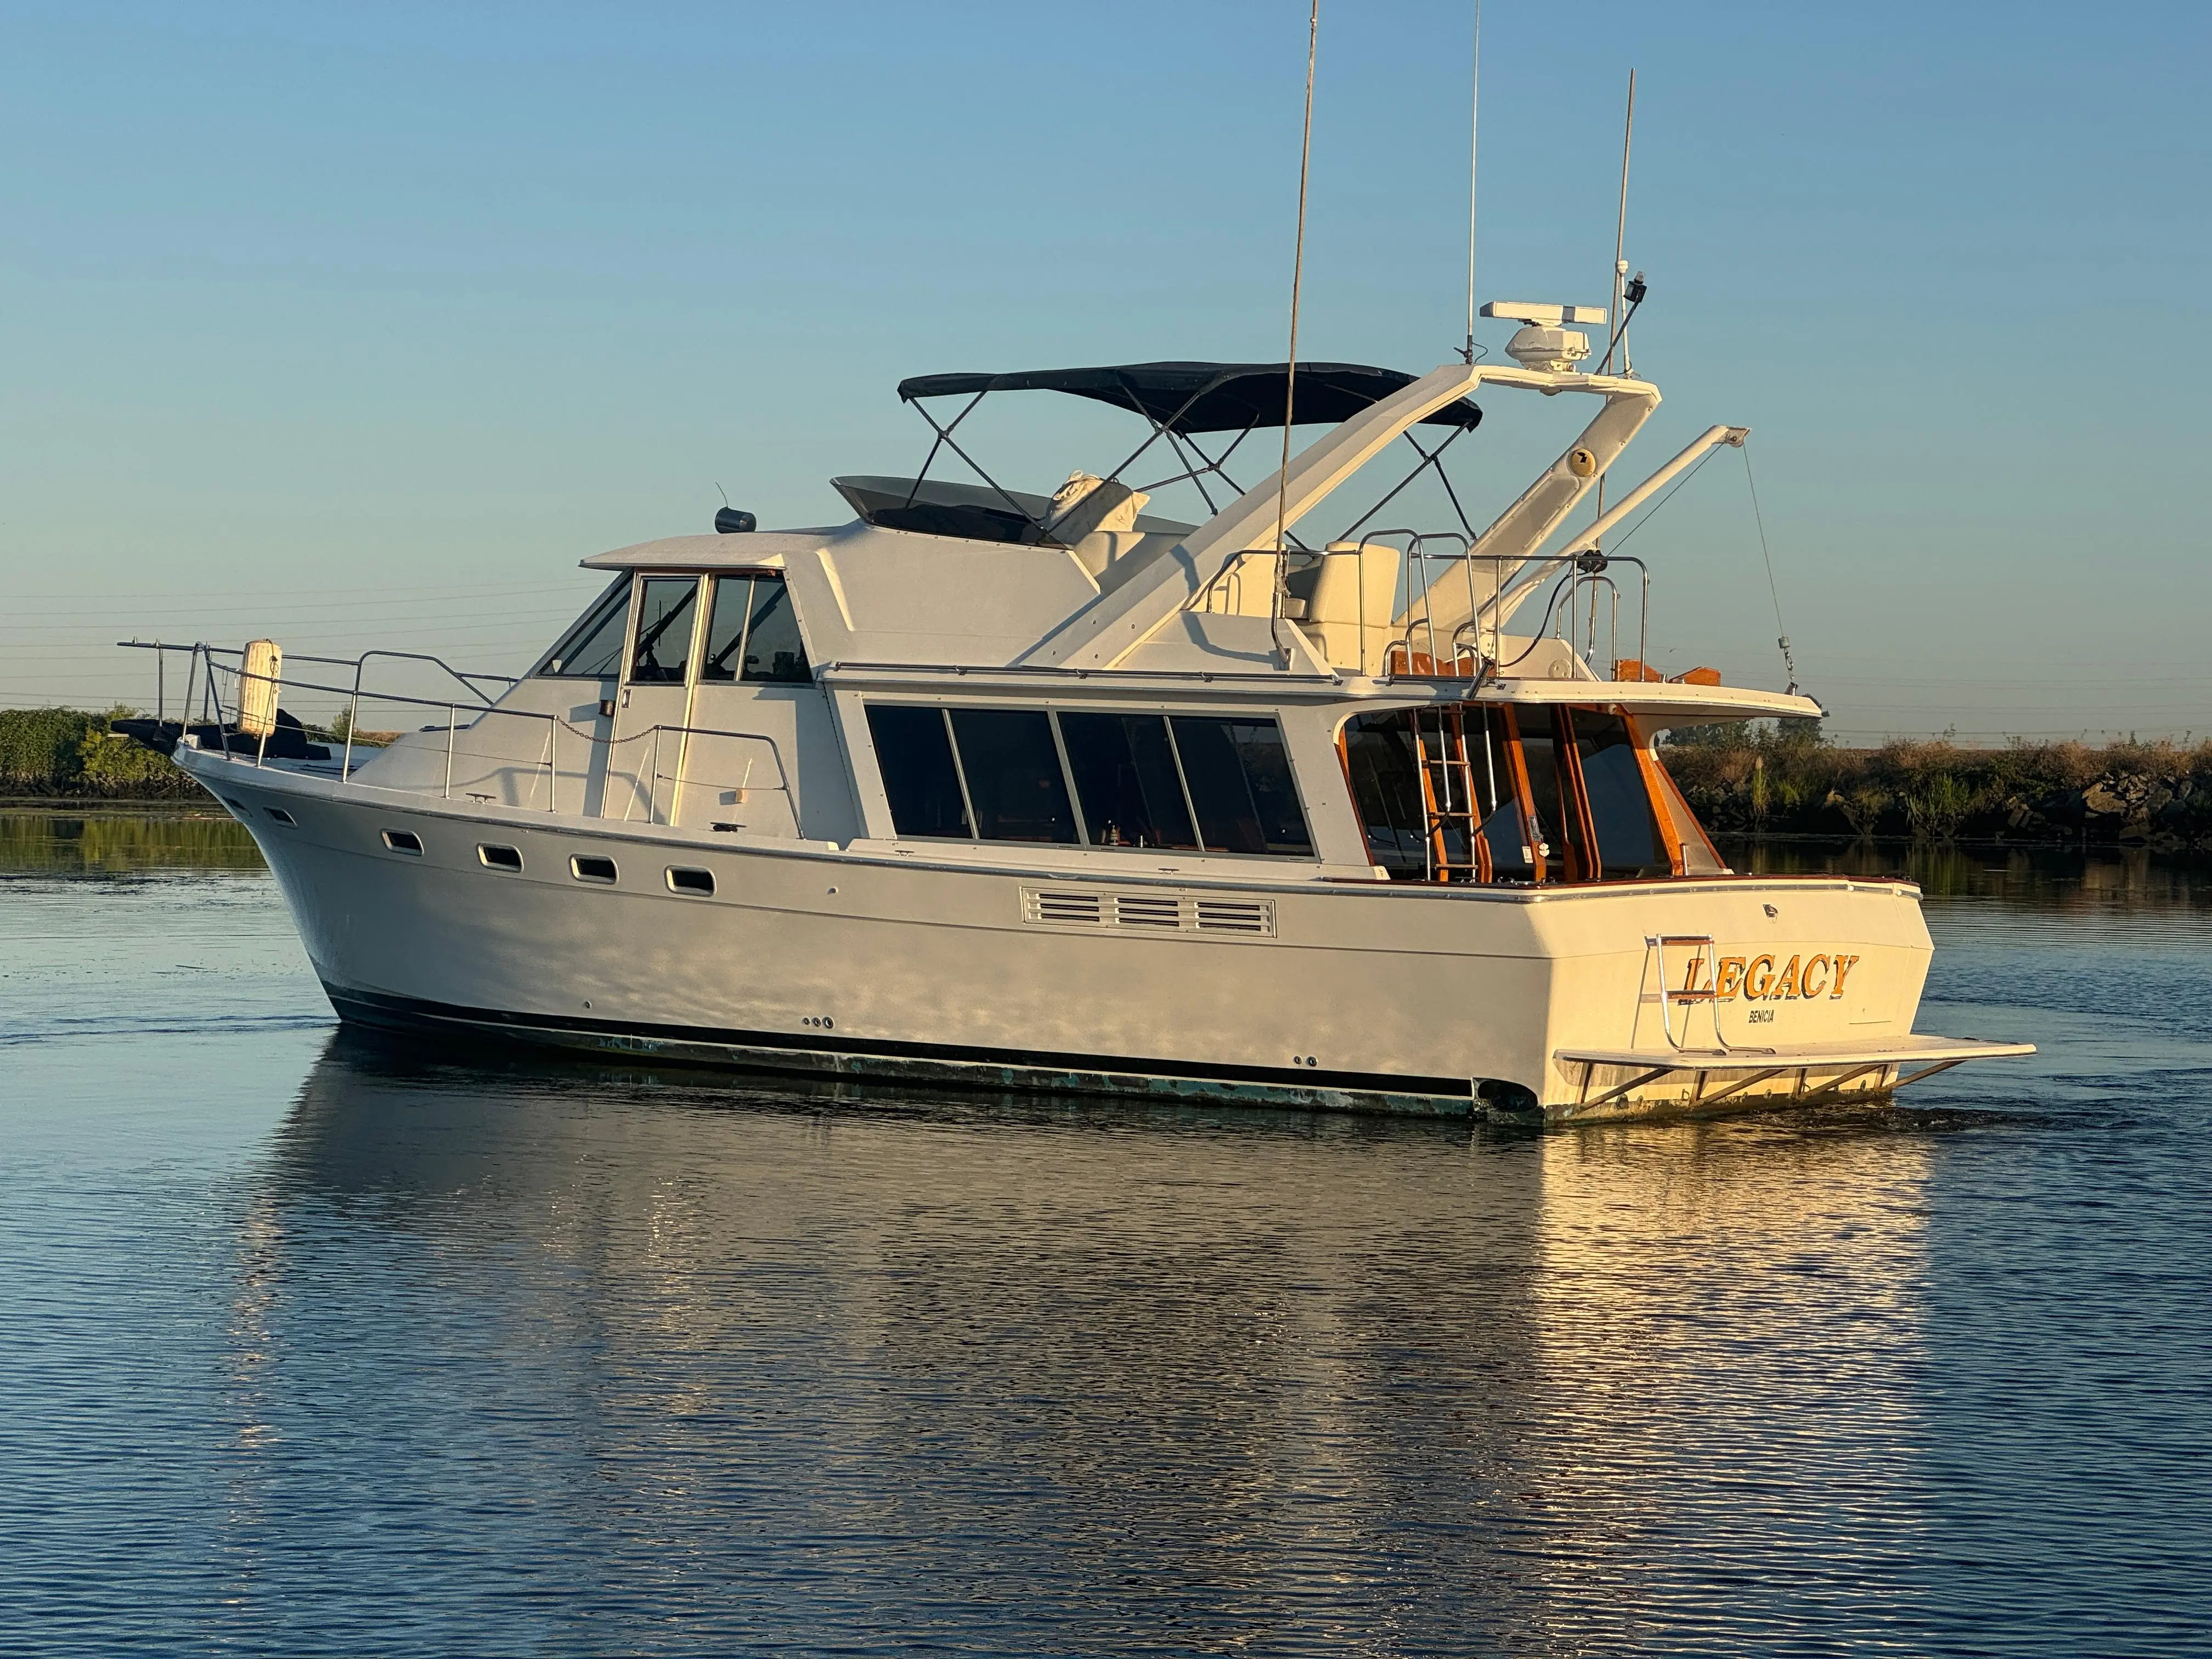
[731, 1349]
[887, 1339]
[1046, 790]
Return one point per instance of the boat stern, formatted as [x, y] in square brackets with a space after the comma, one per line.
[1739, 993]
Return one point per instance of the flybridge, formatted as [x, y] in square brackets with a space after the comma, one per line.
[1246, 587]
[1180, 401]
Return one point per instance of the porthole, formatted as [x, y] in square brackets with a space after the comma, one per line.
[280, 815]
[586, 866]
[500, 858]
[403, 841]
[684, 880]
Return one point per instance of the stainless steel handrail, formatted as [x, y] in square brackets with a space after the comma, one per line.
[1690, 994]
[205, 654]
[783, 787]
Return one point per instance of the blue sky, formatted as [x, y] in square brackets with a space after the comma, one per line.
[361, 326]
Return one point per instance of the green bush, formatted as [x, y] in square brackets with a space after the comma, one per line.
[1762, 779]
[69, 751]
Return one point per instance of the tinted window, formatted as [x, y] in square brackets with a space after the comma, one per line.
[726, 627]
[1239, 777]
[1628, 842]
[753, 633]
[773, 650]
[592, 649]
[1386, 787]
[1011, 767]
[1550, 831]
[666, 610]
[914, 752]
[1126, 781]
[1490, 754]
[1469, 782]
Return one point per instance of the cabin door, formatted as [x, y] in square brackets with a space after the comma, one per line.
[749, 667]
[652, 709]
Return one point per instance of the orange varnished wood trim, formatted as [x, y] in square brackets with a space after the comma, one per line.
[1524, 800]
[1656, 781]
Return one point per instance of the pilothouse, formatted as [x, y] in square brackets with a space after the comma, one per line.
[1021, 783]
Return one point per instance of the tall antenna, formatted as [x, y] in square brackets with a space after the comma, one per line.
[1621, 227]
[1473, 134]
[1619, 265]
[1297, 275]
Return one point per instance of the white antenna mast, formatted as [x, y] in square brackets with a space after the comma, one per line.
[1291, 368]
[1473, 135]
[1619, 271]
[1620, 229]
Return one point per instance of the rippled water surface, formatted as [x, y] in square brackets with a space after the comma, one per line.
[311, 1344]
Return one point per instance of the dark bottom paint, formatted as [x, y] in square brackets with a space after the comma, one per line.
[794, 1054]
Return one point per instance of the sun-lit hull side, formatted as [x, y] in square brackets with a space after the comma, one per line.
[1355, 996]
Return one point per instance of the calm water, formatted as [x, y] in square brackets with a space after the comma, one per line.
[314, 1345]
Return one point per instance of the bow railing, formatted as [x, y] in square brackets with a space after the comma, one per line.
[204, 703]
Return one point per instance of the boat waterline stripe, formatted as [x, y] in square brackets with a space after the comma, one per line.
[382, 1008]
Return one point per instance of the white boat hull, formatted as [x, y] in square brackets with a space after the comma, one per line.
[905, 963]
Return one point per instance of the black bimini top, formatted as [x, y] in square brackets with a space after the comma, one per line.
[1206, 396]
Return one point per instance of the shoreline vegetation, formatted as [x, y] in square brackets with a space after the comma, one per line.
[1756, 780]
[1748, 781]
[75, 756]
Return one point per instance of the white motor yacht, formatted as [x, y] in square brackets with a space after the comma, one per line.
[1042, 791]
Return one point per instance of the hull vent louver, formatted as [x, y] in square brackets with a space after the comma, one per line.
[1146, 910]
[1062, 909]
[1148, 913]
[1234, 916]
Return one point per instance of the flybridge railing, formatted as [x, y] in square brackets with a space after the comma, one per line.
[202, 679]
[1398, 634]
[1479, 642]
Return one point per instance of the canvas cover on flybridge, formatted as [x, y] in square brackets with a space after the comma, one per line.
[1206, 396]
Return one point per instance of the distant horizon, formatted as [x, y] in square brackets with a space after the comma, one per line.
[355, 330]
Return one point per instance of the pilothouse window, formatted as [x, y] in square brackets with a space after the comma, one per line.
[753, 633]
[773, 651]
[667, 607]
[592, 649]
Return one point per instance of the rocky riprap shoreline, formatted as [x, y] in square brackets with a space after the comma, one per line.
[2154, 795]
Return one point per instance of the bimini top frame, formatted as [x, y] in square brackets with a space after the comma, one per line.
[1162, 582]
[1184, 398]
[1178, 400]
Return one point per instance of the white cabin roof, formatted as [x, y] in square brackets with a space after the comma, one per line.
[759, 550]
[871, 598]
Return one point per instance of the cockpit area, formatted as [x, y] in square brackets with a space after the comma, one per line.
[1534, 794]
